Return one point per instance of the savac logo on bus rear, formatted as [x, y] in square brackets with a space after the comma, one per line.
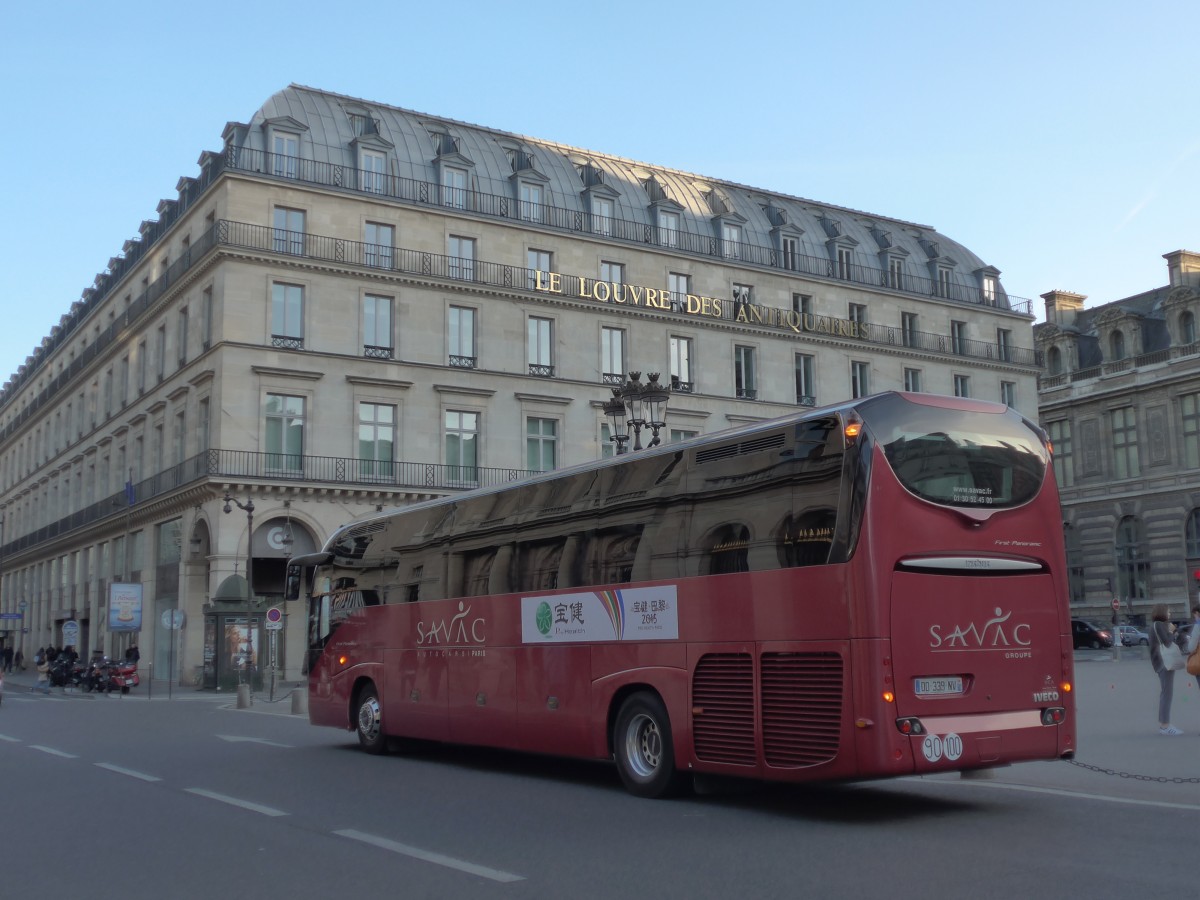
[997, 633]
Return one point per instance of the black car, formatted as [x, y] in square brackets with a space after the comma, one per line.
[1085, 634]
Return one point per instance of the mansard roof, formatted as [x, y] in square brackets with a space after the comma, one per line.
[333, 122]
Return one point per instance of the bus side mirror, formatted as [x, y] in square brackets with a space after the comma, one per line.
[291, 583]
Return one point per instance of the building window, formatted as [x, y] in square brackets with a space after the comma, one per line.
[858, 313]
[745, 375]
[943, 282]
[860, 379]
[371, 174]
[962, 385]
[682, 434]
[181, 337]
[287, 316]
[806, 386]
[285, 433]
[206, 311]
[531, 202]
[204, 426]
[536, 261]
[123, 381]
[958, 337]
[1189, 410]
[1060, 440]
[608, 446]
[896, 273]
[377, 327]
[540, 342]
[844, 263]
[612, 356]
[462, 446]
[989, 290]
[731, 241]
[460, 330]
[802, 304]
[285, 155]
[454, 187]
[376, 440]
[143, 366]
[1004, 344]
[1133, 564]
[679, 286]
[602, 215]
[1054, 361]
[668, 228]
[379, 242]
[743, 295]
[909, 330]
[612, 272]
[180, 436]
[791, 254]
[681, 364]
[1187, 328]
[289, 231]
[1008, 393]
[1125, 445]
[912, 380]
[461, 251]
[160, 355]
[1117, 345]
[541, 444]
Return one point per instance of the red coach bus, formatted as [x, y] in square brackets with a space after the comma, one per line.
[864, 590]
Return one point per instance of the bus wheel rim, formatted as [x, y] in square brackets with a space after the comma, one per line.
[643, 745]
[368, 719]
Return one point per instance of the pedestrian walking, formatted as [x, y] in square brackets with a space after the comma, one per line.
[1193, 640]
[1162, 632]
[43, 678]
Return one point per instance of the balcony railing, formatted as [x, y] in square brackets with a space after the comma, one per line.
[275, 468]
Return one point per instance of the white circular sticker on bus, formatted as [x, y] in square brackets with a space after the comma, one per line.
[932, 747]
[952, 746]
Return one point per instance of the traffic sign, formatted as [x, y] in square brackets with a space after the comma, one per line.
[12, 615]
[1116, 605]
[274, 619]
[172, 619]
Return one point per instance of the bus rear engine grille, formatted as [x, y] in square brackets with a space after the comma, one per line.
[723, 700]
[801, 708]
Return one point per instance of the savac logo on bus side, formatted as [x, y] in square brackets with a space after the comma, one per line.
[995, 634]
[456, 631]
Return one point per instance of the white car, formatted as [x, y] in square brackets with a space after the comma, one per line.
[1131, 636]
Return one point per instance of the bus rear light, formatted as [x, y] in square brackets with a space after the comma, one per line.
[1054, 715]
[889, 697]
[1066, 687]
[910, 725]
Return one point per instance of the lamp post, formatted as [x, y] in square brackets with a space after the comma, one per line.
[244, 697]
[638, 405]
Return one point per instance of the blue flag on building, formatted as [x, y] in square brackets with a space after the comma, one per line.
[130, 498]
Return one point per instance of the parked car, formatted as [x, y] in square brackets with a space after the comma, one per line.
[1085, 634]
[1132, 636]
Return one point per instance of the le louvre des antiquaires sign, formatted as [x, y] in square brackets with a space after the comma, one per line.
[661, 299]
[124, 607]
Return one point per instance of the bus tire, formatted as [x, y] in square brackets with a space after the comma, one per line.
[368, 720]
[643, 748]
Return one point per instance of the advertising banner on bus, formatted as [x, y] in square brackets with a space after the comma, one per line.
[635, 614]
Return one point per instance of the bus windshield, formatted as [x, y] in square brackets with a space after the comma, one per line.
[960, 458]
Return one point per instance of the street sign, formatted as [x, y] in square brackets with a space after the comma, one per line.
[70, 633]
[274, 619]
[23, 605]
[1116, 605]
[172, 619]
[12, 615]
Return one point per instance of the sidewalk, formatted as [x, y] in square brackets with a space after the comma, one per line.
[23, 682]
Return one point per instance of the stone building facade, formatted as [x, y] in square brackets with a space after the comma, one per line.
[1120, 398]
[354, 306]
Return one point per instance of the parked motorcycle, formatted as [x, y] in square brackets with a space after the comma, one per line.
[66, 672]
[105, 675]
[124, 675]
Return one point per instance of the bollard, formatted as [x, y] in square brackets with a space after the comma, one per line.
[243, 696]
[300, 702]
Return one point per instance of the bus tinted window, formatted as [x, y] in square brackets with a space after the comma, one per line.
[959, 458]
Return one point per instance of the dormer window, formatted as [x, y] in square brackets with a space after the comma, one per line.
[896, 273]
[1054, 361]
[602, 215]
[668, 228]
[454, 187]
[1116, 345]
[1187, 328]
[731, 241]
[285, 154]
[530, 199]
[372, 169]
[944, 281]
[845, 262]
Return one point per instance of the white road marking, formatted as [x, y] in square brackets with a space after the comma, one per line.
[234, 739]
[11, 740]
[53, 752]
[130, 772]
[234, 801]
[1059, 792]
[427, 856]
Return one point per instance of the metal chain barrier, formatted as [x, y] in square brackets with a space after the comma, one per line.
[1162, 779]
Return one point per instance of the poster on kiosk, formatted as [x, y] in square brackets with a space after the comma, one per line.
[125, 607]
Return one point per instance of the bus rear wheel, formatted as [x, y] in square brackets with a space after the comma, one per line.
[369, 721]
[643, 748]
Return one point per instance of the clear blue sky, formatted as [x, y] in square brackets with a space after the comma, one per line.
[1057, 140]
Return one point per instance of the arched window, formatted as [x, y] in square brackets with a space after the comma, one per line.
[1133, 565]
[729, 550]
[1187, 328]
[1054, 361]
[1116, 345]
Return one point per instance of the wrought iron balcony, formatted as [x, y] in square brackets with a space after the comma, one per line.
[370, 351]
[275, 469]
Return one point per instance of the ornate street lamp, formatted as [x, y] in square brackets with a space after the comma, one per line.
[615, 410]
[248, 508]
[637, 405]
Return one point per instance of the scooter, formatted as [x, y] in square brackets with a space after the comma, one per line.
[65, 673]
[123, 675]
[98, 676]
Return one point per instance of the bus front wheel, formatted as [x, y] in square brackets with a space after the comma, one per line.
[370, 721]
[644, 751]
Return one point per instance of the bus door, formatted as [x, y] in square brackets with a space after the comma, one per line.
[976, 658]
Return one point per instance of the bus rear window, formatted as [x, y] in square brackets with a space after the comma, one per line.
[959, 457]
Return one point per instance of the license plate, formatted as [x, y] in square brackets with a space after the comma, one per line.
[951, 684]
